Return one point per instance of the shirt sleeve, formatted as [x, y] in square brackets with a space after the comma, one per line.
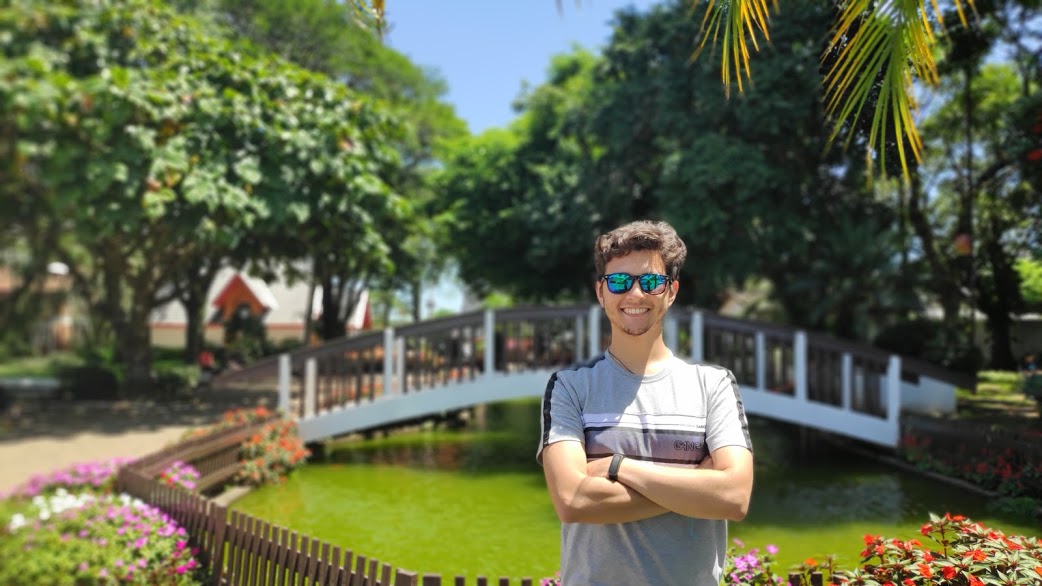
[561, 416]
[726, 423]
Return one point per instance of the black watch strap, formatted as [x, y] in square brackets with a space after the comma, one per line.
[613, 468]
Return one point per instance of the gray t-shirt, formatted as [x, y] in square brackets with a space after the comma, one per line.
[677, 416]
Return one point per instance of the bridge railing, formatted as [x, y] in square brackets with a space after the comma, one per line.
[790, 368]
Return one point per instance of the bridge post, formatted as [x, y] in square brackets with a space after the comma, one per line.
[594, 328]
[847, 381]
[697, 340]
[490, 341]
[580, 338]
[310, 382]
[388, 382]
[761, 361]
[284, 378]
[893, 395]
[399, 365]
[669, 332]
[799, 357]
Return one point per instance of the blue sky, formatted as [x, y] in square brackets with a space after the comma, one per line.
[484, 49]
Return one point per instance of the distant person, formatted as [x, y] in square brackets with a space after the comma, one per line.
[646, 457]
[1029, 365]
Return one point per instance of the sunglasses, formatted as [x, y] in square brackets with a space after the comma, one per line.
[650, 283]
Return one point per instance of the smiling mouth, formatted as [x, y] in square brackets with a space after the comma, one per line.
[635, 310]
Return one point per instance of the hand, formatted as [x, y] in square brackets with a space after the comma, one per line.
[598, 467]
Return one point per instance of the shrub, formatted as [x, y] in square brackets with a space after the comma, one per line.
[750, 567]
[82, 539]
[96, 477]
[231, 418]
[269, 454]
[272, 453]
[89, 382]
[180, 474]
[966, 554]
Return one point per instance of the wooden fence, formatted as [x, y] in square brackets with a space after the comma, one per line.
[239, 549]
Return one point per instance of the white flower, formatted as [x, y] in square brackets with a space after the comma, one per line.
[17, 522]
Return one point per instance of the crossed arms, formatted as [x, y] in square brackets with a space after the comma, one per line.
[581, 492]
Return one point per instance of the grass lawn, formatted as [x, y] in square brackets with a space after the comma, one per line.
[998, 400]
[37, 366]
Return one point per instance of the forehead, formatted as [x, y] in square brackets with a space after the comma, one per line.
[637, 262]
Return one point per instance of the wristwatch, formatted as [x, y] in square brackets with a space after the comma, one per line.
[613, 468]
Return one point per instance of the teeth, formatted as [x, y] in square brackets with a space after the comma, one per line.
[634, 310]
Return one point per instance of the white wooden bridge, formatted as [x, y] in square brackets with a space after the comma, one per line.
[379, 378]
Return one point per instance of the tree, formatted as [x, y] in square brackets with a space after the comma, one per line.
[343, 41]
[145, 145]
[520, 194]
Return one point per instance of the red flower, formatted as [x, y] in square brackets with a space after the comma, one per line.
[925, 571]
[948, 572]
[927, 556]
[975, 582]
[976, 554]
[925, 529]
[909, 582]
[1035, 155]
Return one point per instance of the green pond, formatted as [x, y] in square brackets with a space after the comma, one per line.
[473, 502]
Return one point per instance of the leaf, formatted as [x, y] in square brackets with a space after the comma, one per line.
[248, 169]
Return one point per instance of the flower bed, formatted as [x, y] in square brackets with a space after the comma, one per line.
[92, 538]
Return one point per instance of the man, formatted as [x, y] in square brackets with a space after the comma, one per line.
[646, 457]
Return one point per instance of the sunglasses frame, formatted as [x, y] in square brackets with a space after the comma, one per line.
[636, 279]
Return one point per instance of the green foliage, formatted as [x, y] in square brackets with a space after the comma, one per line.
[963, 553]
[156, 146]
[1030, 272]
[73, 539]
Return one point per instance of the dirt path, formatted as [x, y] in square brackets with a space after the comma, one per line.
[38, 439]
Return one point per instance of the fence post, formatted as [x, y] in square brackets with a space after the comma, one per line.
[799, 358]
[490, 341]
[594, 329]
[218, 520]
[761, 361]
[310, 382]
[893, 396]
[284, 378]
[388, 361]
[697, 339]
[405, 578]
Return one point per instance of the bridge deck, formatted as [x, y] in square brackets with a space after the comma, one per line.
[379, 378]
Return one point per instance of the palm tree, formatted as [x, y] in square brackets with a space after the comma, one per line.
[876, 51]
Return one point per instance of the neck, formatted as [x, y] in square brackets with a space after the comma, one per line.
[639, 356]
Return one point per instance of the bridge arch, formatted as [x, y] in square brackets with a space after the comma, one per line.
[378, 378]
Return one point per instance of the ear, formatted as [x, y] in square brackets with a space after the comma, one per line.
[599, 292]
[674, 286]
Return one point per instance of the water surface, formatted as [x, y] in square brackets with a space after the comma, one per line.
[473, 501]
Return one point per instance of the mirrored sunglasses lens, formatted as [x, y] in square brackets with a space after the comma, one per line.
[619, 282]
[653, 284]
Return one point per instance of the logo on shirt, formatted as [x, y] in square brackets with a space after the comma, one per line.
[687, 446]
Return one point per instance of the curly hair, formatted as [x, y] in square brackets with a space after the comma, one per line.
[659, 237]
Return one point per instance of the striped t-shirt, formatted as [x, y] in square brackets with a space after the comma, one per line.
[676, 416]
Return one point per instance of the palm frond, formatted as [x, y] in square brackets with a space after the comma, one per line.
[736, 23]
[880, 48]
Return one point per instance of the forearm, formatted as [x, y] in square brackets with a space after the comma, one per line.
[599, 500]
[582, 493]
[702, 492]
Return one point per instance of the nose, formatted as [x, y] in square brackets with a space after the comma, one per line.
[636, 291]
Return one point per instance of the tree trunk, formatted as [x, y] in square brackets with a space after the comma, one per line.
[331, 326]
[134, 344]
